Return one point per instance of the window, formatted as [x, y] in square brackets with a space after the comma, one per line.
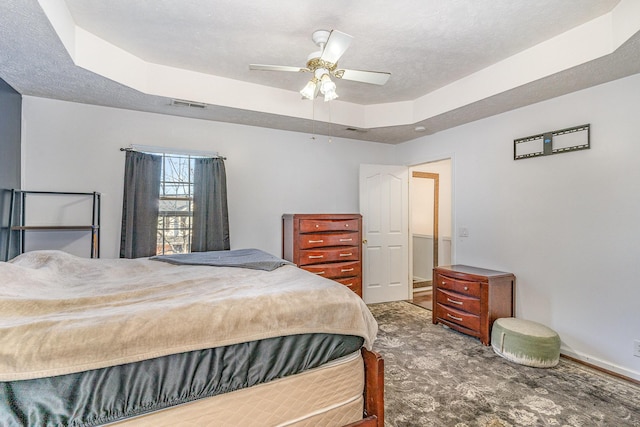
[159, 211]
[176, 205]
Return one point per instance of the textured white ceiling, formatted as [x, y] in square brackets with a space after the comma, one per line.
[424, 44]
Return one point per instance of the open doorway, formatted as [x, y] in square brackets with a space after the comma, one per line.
[430, 225]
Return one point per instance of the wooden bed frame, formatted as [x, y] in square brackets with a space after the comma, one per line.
[373, 391]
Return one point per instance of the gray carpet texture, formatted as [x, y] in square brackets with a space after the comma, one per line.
[435, 376]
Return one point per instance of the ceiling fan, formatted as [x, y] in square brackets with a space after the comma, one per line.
[324, 64]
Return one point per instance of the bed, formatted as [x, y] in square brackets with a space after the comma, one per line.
[86, 342]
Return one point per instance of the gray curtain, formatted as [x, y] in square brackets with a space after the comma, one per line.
[210, 214]
[140, 205]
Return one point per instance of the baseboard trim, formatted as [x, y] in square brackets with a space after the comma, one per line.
[614, 371]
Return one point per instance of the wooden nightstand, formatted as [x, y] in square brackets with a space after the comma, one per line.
[469, 299]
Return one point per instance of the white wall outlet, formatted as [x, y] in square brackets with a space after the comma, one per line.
[463, 232]
[636, 348]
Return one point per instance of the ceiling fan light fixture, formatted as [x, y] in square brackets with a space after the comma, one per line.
[309, 91]
[324, 63]
[330, 95]
[326, 85]
[328, 88]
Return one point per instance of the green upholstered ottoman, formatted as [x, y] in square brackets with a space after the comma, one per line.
[525, 342]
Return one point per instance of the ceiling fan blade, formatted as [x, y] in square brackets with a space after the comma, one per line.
[372, 77]
[337, 44]
[261, 67]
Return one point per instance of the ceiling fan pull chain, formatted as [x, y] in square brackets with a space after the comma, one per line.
[313, 119]
[330, 123]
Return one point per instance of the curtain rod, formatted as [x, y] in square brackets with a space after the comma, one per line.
[177, 151]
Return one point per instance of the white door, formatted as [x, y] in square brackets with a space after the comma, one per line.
[384, 205]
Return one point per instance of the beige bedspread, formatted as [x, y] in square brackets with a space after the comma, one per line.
[61, 314]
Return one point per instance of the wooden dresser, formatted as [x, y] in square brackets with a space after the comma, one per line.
[328, 245]
[469, 299]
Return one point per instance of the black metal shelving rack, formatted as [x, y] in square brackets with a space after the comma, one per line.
[17, 213]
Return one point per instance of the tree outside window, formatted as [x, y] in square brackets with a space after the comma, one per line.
[176, 205]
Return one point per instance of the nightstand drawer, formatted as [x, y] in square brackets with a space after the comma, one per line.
[459, 286]
[320, 225]
[458, 301]
[335, 270]
[324, 255]
[318, 240]
[462, 318]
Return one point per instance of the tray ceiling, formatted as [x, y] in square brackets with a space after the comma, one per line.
[450, 62]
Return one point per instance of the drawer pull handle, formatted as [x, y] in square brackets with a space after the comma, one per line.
[455, 302]
[349, 254]
[459, 319]
[316, 241]
[345, 270]
[346, 240]
[348, 285]
[319, 273]
[466, 288]
[315, 256]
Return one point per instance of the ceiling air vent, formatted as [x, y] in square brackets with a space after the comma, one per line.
[192, 104]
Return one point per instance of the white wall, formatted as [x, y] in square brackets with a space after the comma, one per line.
[421, 213]
[566, 225]
[75, 147]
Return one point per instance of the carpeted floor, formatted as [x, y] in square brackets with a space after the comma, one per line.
[435, 376]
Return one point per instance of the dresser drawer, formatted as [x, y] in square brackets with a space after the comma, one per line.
[320, 225]
[335, 270]
[353, 283]
[460, 286]
[324, 255]
[318, 240]
[458, 301]
[462, 318]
